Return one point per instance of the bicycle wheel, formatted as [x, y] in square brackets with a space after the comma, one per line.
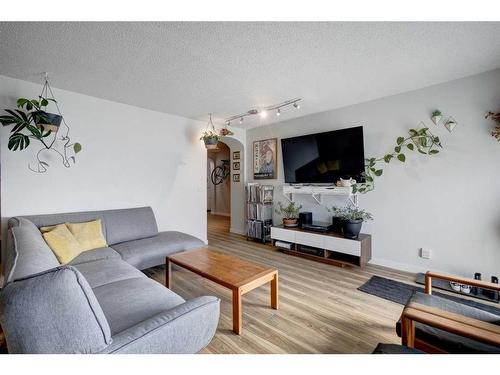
[217, 175]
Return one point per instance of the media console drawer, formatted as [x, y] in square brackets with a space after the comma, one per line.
[332, 246]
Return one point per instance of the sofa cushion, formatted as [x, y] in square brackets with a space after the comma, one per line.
[89, 234]
[53, 312]
[129, 224]
[62, 242]
[447, 341]
[150, 252]
[27, 251]
[128, 302]
[96, 254]
[107, 271]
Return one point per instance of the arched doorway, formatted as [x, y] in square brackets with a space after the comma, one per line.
[226, 200]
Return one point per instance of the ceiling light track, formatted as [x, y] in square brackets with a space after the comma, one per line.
[264, 111]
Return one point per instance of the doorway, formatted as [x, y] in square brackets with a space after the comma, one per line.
[219, 184]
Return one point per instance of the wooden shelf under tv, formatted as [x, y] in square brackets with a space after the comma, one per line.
[317, 191]
[331, 248]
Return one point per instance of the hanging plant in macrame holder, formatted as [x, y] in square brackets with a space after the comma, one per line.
[32, 122]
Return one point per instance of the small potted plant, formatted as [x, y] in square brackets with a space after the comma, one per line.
[290, 214]
[353, 218]
[436, 117]
[210, 138]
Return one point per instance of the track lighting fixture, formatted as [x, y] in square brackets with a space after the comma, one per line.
[264, 110]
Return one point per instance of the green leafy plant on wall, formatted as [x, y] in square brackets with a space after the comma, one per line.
[30, 122]
[420, 140]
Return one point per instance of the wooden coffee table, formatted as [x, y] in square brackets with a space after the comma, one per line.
[234, 273]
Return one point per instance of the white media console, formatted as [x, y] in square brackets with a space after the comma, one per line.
[328, 247]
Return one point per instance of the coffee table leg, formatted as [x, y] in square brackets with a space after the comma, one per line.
[237, 311]
[168, 273]
[274, 292]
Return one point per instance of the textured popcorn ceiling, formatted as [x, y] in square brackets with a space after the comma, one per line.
[191, 69]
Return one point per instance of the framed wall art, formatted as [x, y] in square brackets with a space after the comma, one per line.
[265, 159]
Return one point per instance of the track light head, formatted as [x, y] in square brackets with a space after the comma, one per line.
[241, 120]
[263, 113]
[296, 105]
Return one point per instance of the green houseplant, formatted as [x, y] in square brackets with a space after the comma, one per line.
[210, 138]
[290, 213]
[31, 122]
[352, 219]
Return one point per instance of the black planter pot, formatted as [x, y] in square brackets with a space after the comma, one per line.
[352, 228]
[337, 224]
[51, 121]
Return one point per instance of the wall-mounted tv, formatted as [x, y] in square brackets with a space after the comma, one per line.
[324, 157]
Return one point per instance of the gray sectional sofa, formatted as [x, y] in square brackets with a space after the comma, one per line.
[100, 302]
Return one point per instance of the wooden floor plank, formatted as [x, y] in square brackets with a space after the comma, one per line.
[321, 310]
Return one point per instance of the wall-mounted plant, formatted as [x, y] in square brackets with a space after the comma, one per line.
[436, 117]
[421, 140]
[31, 121]
[450, 124]
[495, 116]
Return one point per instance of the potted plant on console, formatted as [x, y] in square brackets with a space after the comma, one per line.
[352, 218]
[290, 214]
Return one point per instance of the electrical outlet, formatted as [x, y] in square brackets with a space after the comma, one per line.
[425, 253]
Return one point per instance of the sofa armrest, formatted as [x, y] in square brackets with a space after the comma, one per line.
[462, 280]
[186, 328]
[53, 312]
[454, 323]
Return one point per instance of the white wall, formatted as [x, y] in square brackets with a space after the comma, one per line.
[448, 202]
[236, 143]
[131, 157]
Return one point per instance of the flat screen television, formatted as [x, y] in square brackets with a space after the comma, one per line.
[324, 157]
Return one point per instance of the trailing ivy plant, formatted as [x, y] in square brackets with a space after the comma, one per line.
[24, 119]
[421, 140]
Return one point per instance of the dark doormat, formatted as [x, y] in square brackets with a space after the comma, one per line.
[399, 292]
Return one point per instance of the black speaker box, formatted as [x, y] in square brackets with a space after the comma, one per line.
[305, 218]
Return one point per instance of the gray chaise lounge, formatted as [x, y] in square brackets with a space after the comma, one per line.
[100, 302]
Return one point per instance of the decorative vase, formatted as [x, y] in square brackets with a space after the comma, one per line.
[290, 222]
[351, 228]
[210, 143]
[337, 224]
[436, 119]
[51, 121]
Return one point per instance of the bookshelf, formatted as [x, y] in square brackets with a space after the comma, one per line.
[259, 212]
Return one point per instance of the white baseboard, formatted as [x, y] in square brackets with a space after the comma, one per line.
[220, 213]
[237, 231]
[397, 266]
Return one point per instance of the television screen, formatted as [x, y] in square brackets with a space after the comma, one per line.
[324, 157]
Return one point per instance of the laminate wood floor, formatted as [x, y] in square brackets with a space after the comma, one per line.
[321, 310]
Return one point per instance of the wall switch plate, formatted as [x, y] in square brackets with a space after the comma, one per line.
[425, 253]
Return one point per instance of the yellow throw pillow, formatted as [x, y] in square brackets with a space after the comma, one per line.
[62, 242]
[89, 235]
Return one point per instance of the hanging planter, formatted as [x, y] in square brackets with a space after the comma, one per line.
[32, 124]
[49, 121]
[210, 136]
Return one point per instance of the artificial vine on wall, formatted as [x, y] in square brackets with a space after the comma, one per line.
[420, 140]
